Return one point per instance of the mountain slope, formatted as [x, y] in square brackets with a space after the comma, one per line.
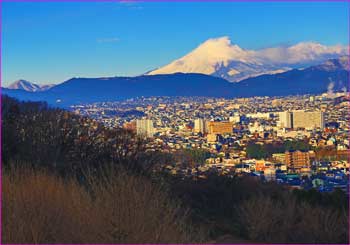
[218, 57]
[46, 87]
[332, 74]
[315, 79]
[24, 85]
[83, 90]
[29, 86]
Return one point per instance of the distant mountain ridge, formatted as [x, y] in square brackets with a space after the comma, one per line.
[86, 90]
[29, 86]
[332, 74]
[218, 57]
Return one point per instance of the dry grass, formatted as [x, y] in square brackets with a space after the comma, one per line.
[287, 221]
[39, 207]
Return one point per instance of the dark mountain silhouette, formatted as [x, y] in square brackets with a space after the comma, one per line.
[312, 80]
[84, 90]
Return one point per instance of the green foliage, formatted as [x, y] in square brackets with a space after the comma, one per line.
[263, 151]
[256, 151]
[296, 145]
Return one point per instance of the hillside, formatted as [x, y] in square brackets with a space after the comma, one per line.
[312, 80]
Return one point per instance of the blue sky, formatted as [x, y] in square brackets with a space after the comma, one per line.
[52, 42]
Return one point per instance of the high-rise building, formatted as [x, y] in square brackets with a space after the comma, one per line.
[220, 127]
[297, 159]
[286, 119]
[200, 126]
[308, 119]
[301, 119]
[145, 127]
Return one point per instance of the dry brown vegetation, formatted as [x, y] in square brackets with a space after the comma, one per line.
[39, 207]
[245, 210]
[287, 221]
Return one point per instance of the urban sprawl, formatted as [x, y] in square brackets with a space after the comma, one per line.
[299, 141]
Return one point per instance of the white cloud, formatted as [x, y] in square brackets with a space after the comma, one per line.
[130, 4]
[219, 57]
[127, 1]
[108, 40]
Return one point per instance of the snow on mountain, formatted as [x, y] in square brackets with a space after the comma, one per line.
[218, 57]
[342, 63]
[24, 85]
[208, 58]
[46, 86]
[29, 86]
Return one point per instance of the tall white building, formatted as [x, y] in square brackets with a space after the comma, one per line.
[301, 119]
[285, 119]
[308, 119]
[145, 127]
[200, 126]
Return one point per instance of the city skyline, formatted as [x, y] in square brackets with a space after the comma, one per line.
[52, 42]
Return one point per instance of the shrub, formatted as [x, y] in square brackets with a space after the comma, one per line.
[289, 221]
[39, 207]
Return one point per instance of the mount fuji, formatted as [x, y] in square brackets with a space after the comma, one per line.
[219, 57]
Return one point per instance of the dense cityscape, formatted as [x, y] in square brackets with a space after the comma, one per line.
[299, 141]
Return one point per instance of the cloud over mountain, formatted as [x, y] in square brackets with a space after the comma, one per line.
[221, 58]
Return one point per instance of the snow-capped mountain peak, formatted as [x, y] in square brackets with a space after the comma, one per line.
[206, 58]
[29, 86]
[24, 85]
[219, 57]
[218, 50]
